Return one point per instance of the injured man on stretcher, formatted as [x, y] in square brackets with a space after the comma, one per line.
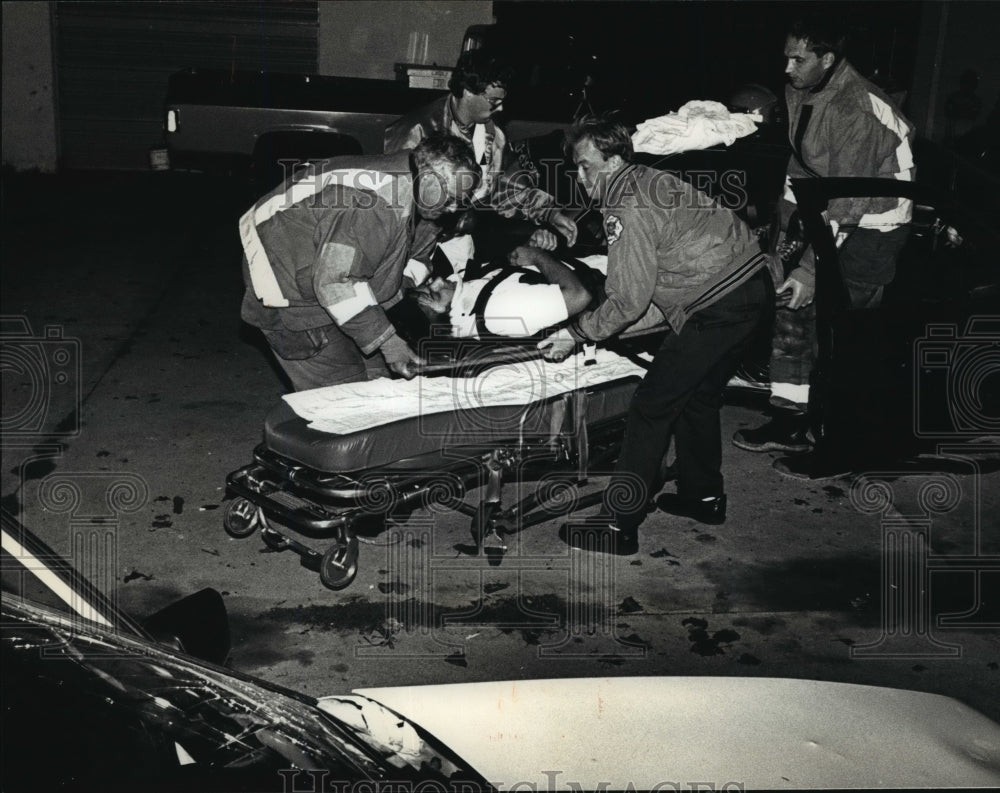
[534, 291]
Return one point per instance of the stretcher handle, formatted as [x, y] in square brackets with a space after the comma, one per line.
[516, 355]
[513, 356]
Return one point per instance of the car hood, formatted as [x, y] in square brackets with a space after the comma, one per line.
[673, 732]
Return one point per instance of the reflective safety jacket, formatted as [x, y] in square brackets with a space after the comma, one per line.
[330, 245]
[847, 126]
[669, 245]
[507, 193]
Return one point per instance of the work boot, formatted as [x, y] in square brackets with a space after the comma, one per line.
[786, 432]
[600, 536]
[704, 510]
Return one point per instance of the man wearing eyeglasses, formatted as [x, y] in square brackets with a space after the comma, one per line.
[324, 258]
[477, 90]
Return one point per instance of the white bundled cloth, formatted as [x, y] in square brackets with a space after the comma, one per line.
[350, 407]
[696, 125]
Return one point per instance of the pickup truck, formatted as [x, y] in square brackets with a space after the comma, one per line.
[259, 119]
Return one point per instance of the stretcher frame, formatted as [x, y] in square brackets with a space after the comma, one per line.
[290, 503]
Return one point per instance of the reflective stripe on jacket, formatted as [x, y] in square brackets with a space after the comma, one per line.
[330, 245]
[851, 128]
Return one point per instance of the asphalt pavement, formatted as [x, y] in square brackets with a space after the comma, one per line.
[116, 451]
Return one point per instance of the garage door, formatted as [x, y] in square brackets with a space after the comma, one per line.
[113, 61]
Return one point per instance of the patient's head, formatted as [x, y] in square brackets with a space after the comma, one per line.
[434, 298]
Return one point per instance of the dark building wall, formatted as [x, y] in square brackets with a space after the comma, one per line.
[103, 103]
[955, 37]
[29, 108]
[359, 38]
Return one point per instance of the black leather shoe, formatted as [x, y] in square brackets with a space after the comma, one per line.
[600, 536]
[781, 434]
[711, 511]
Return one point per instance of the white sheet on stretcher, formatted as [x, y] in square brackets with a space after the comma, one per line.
[350, 407]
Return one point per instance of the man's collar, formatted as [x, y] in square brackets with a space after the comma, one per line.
[615, 183]
[835, 69]
[453, 112]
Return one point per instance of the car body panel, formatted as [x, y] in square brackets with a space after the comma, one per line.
[650, 732]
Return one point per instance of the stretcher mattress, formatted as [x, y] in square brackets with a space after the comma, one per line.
[315, 428]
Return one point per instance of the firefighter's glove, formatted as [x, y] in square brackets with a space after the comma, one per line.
[400, 358]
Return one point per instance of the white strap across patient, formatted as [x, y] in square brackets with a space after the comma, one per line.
[351, 407]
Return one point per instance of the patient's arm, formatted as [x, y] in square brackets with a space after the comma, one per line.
[573, 291]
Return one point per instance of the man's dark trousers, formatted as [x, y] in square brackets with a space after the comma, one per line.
[681, 395]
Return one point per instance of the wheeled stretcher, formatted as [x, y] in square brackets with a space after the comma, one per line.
[338, 459]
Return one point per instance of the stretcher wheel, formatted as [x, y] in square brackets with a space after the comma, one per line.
[339, 564]
[240, 518]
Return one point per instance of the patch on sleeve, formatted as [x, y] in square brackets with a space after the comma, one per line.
[613, 229]
[345, 301]
[336, 260]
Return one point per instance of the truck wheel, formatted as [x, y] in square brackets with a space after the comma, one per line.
[240, 518]
[339, 564]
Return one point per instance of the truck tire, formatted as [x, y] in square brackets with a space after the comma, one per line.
[276, 155]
